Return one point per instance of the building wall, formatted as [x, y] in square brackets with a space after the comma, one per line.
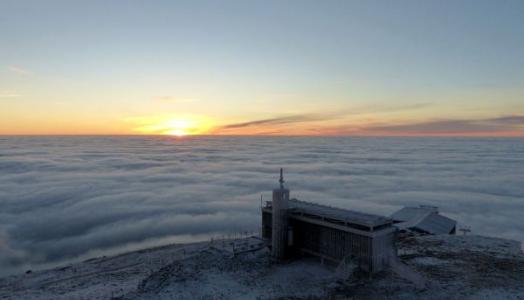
[383, 248]
[332, 243]
[279, 238]
[371, 254]
[266, 225]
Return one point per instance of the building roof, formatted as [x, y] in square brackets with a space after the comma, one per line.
[423, 218]
[339, 214]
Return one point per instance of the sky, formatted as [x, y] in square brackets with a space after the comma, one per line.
[262, 67]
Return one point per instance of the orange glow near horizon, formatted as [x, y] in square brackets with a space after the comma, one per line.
[187, 124]
[178, 125]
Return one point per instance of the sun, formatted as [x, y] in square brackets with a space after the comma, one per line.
[179, 126]
[177, 132]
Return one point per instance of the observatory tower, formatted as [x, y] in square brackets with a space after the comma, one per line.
[279, 220]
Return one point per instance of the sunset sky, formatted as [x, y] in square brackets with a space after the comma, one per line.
[262, 67]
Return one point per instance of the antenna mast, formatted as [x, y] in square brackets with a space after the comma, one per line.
[281, 180]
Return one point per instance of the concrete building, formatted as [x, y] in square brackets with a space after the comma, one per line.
[279, 220]
[295, 228]
[423, 219]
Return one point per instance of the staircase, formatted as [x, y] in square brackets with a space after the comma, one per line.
[406, 272]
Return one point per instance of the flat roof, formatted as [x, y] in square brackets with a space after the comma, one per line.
[424, 218]
[339, 214]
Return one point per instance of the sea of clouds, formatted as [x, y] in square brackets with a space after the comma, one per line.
[65, 199]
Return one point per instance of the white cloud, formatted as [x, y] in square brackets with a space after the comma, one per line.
[174, 100]
[19, 70]
[9, 95]
[64, 198]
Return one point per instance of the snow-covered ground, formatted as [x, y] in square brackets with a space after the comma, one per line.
[454, 267]
[98, 278]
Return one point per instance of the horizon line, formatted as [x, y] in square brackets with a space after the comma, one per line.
[519, 135]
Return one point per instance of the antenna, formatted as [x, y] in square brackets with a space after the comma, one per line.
[281, 178]
[465, 230]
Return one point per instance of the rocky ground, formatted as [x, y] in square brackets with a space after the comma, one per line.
[453, 267]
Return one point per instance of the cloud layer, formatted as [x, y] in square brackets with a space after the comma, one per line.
[65, 199]
[308, 123]
[293, 119]
[512, 123]
[286, 124]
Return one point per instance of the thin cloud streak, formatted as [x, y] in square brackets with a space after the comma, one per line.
[19, 70]
[489, 125]
[315, 117]
[282, 120]
[9, 95]
[174, 100]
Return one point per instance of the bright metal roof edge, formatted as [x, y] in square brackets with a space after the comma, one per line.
[338, 213]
